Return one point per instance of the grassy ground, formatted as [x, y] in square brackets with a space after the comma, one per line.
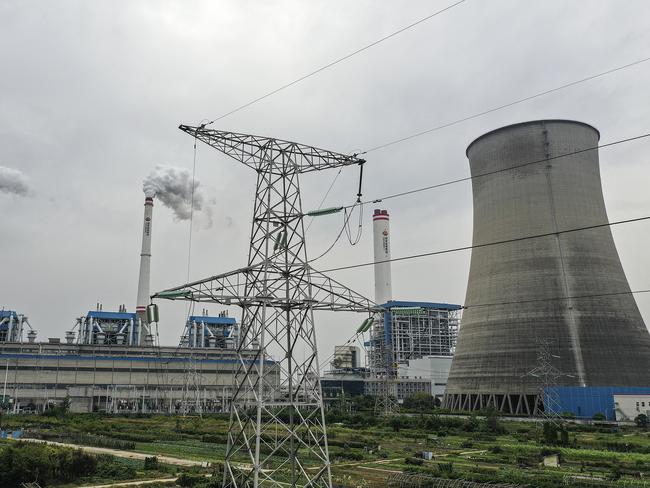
[365, 450]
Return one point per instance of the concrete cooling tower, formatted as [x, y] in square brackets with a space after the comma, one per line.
[565, 290]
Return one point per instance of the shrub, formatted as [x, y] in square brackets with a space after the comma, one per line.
[414, 461]
[549, 432]
[24, 462]
[151, 463]
[214, 438]
[188, 480]
[641, 421]
[471, 424]
[599, 416]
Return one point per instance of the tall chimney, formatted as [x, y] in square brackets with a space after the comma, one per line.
[145, 263]
[381, 237]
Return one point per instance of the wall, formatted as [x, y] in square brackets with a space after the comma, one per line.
[586, 402]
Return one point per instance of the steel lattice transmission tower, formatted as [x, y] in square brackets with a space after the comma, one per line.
[386, 398]
[277, 432]
[548, 376]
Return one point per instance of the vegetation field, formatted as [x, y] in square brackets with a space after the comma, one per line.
[366, 450]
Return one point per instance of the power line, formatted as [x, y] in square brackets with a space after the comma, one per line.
[356, 335]
[573, 297]
[335, 62]
[506, 105]
[488, 173]
[488, 244]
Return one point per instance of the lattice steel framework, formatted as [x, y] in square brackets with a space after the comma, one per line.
[548, 377]
[277, 433]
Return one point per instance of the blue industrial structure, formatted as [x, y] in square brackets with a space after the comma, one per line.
[104, 328]
[585, 402]
[210, 331]
[412, 330]
[11, 327]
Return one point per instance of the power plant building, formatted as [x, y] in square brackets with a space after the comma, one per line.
[564, 290]
[111, 360]
[118, 378]
[413, 330]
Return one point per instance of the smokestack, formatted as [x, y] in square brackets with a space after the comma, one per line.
[381, 237]
[145, 262]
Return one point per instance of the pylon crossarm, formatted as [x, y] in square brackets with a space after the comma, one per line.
[229, 289]
[257, 151]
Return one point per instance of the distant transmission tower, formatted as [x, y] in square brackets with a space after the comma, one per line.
[548, 376]
[277, 434]
[386, 399]
[192, 384]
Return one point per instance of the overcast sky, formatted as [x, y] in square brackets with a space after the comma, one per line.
[91, 94]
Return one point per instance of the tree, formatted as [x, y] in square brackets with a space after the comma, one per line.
[421, 402]
[641, 421]
[151, 463]
[64, 407]
[395, 423]
[549, 432]
[492, 421]
[564, 436]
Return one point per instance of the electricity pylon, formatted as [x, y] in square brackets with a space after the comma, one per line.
[386, 398]
[548, 376]
[277, 433]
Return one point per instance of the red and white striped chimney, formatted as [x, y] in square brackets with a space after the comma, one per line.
[381, 237]
[145, 262]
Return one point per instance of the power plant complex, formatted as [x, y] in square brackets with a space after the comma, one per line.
[549, 323]
[111, 360]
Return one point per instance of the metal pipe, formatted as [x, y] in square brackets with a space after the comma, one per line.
[4, 388]
[11, 327]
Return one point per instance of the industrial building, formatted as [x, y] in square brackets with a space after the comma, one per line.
[435, 369]
[104, 328]
[629, 406]
[346, 357]
[613, 403]
[111, 360]
[12, 325]
[403, 387]
[410, 344]
[413, 330]
[116, 378]
[565, 288]
[205, 331]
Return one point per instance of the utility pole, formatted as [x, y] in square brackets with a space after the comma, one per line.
[277, 422]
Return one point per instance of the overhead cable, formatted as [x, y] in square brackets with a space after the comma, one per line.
[488, 173]
[335, 62]
[505, 105]
[356, 335]
[488, 244]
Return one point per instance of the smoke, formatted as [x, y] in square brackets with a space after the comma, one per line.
[173, 187]
[13, 181]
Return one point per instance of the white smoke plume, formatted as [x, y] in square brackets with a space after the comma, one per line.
[13, 181]
[173, 187]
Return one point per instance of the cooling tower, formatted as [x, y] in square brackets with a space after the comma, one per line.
[567, 290]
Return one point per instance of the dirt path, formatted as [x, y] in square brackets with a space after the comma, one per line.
[132, 483]
[124, 454]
